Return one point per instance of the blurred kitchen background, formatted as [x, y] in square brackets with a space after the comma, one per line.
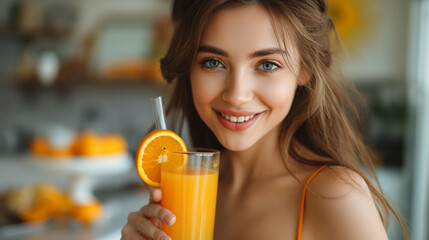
[76, 78]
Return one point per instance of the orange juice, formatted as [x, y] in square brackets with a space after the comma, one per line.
[191, 196]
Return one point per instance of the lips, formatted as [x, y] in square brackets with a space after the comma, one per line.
[237, 120]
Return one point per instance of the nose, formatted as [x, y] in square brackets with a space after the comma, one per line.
[239, 88]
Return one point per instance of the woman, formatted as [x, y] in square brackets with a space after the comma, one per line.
[255, 79]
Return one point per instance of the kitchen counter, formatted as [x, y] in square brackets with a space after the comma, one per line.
[117, 205]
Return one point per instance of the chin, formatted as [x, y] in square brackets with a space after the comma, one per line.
[235, 146]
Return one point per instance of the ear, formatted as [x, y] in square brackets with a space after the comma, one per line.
[303, 77]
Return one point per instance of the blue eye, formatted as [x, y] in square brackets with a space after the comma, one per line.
[212, 63]
[267, 66]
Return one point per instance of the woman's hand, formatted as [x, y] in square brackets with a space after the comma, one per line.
[146, 223]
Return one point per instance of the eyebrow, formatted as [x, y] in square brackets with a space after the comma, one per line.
[210, 49]
[259, 53]
[268, 51]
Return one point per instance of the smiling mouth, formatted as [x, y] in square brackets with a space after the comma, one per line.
[237, 119]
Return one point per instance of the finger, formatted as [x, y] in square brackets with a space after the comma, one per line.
[156, 222]
[146, 227]
[154, 210]
[129, 232]
[146, 237]
[156, 195]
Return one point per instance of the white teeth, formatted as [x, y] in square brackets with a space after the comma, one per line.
[225, 116]
[239, 119]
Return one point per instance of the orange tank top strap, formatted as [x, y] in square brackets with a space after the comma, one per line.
[301, 209]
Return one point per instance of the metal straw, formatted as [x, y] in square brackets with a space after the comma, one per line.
[158, 112]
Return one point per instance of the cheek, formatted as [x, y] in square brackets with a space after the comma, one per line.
[204, 88]
[278, 96]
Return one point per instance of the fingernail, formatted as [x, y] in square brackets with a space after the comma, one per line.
[169, 219]
[164, 238]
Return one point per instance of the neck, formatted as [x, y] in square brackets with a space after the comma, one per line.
[261, 161]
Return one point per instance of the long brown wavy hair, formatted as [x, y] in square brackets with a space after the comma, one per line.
[323, 118]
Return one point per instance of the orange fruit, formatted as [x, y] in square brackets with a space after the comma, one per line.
[88, 213]
[153, 150]
[89, 143]
[114, 143]
[36, 202]
[41, 146]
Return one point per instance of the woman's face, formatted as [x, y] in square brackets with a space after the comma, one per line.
[242, 86]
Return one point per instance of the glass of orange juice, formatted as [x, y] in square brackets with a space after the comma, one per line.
[189, 191]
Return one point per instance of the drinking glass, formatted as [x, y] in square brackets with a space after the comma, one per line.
[189, 191]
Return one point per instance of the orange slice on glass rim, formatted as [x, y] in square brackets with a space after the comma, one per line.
[153, 151]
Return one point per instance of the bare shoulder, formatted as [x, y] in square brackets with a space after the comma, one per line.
[339, 205]
[337, 182]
